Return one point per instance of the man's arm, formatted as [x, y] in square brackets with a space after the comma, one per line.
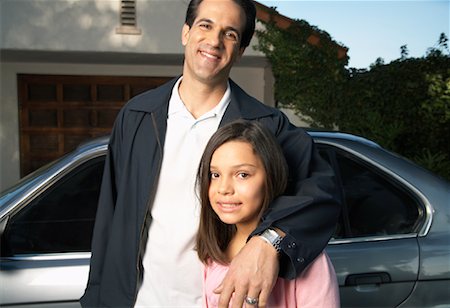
[307, 215]
[103, 220]
[308, 212]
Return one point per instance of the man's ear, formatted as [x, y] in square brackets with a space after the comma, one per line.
[240, 53]
[185, 34]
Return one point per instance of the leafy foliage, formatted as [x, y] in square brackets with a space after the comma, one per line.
[308, 77]
[403, 105]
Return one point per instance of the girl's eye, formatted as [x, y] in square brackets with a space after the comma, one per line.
[243, 175]
[214, 175]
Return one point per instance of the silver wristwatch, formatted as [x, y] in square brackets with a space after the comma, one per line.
[273, 238]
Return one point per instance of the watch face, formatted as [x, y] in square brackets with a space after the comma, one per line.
[271, 235]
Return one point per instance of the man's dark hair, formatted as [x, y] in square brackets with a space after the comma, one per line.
[247, 6]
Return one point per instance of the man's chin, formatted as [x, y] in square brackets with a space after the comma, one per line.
[212, 78]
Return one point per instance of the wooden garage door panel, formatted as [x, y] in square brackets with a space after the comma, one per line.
[89, 118]
[41, 92]
[57, 113]
[42, 118]
[76, 93]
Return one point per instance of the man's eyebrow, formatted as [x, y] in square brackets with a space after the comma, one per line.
[204, 20]
[211, 22]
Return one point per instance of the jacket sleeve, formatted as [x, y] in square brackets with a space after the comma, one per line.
[104, 217]
[309, 210]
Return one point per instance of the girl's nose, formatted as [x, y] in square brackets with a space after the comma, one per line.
[225, 187]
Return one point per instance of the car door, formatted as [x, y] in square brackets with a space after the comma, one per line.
[45, 246]
[374, 249]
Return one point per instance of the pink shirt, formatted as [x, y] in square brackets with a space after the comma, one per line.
[315, 287]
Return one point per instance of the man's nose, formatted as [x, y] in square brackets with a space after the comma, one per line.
[215, 39]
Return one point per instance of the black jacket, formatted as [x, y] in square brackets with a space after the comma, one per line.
[307, 214]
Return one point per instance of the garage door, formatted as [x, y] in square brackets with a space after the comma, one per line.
[59, 112]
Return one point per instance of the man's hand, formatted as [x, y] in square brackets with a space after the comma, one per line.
[253, 273]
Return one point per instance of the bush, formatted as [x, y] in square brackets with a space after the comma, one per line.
[308, 77]
[404, 105]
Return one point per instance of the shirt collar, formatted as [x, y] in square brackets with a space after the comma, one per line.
[176, 105]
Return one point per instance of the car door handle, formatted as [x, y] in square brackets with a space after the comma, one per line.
[369, 278]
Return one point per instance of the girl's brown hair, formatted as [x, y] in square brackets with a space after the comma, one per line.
[213, 235]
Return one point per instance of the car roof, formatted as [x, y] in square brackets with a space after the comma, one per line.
[315, 134]
[336, 135]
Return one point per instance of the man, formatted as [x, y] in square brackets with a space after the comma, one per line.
[143, 245]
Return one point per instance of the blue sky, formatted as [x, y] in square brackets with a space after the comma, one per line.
[372, 29]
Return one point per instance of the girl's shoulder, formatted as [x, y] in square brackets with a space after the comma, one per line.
[215, 267]
[213, 274]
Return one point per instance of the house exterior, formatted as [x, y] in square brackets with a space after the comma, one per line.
[68, 66]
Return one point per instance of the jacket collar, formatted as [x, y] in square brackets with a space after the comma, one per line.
[244, 106]
[155, 99]
[241, 105]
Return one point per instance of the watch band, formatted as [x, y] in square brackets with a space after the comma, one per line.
[273, 238]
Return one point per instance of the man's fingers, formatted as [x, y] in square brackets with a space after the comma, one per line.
[219, 289]
[257, 294]
[263, 297]
[226, 293]
[252, 299]
[252, 273]
[248, 293]
[239, 298]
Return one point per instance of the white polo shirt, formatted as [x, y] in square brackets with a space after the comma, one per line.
[172, 270]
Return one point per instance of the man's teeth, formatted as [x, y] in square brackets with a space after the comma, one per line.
[209, 55]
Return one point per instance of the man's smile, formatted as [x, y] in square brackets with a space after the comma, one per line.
[210, 54]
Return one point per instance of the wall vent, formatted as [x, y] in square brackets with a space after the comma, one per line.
[128, 23]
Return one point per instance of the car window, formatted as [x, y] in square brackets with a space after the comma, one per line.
[373, 203]
[61, 219]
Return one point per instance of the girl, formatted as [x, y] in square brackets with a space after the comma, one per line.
[241, 171]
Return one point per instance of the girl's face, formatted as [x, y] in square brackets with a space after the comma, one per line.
[236, 190]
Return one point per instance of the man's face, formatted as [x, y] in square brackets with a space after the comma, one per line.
[212, 44]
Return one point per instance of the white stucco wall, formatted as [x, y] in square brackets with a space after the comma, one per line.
[78, 37]
[90, 25]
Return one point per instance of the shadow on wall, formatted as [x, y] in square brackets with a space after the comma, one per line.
[74, 25]
[9, 140]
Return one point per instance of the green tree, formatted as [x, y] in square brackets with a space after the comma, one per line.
[403, 105]
[308, 77]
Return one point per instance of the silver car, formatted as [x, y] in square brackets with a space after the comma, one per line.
[391, 247]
